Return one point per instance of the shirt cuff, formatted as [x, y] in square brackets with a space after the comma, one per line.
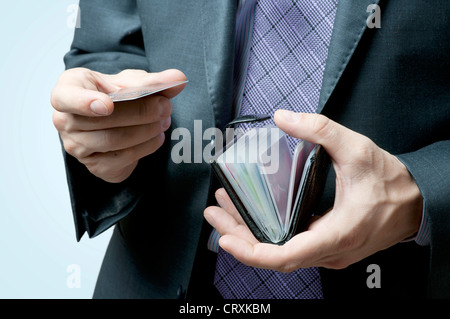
[422, 237]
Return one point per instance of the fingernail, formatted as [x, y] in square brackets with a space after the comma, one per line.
[166, 123]
[289, 116]
[210, 219]
[222, 202]
[98, 107]
[165, 108]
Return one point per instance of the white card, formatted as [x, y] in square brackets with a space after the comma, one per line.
[128, 94]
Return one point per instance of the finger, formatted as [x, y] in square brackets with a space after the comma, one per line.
[304, 250]
[139, 78]
[138, 112]
[102, 141]
[220, 219]
[225, 202]
[339, 141]
[109, 165]
[84, 92]
[259, 255]
[318, 219]
[225, 224]
[80, 91]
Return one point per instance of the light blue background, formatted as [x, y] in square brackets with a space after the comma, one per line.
[37, 237]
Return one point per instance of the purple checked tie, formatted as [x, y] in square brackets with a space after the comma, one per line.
[286, 62]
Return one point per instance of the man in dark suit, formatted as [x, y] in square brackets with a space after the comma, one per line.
[387, 88]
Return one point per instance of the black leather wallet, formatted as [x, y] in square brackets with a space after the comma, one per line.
[309, 191]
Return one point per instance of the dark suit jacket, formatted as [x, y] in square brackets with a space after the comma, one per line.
[391, 84]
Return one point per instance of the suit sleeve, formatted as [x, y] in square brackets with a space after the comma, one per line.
[430, 167]
[109, 40]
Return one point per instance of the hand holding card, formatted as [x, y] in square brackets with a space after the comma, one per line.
[109, 134]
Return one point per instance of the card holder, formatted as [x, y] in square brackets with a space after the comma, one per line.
[309, 190]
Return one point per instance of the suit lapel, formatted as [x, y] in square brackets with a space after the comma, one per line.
[349, 26]
[218, 34]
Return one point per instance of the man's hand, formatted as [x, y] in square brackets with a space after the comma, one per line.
[109, 139]
[377, 204]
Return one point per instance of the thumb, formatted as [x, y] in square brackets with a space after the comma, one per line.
[83, 92]
[339, 141]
